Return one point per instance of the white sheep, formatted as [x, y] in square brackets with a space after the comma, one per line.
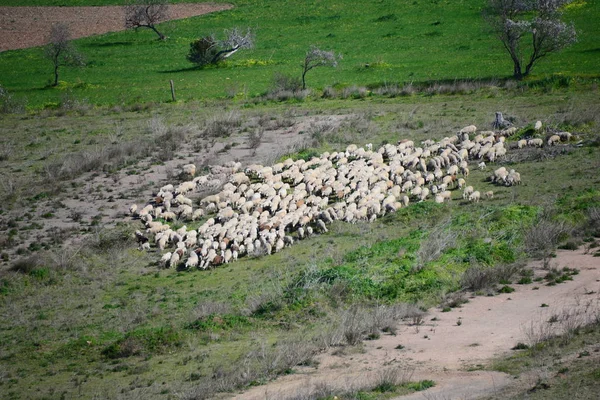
[174, 261]
[467, 192]
[475, 196]
[165, 259]
[189, 169]
[192, 260]
[537, 142]
[554, 139]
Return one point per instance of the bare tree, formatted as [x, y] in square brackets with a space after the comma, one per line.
[146, 14]
[515, 21]
[210, 50]
[60, 51]
[316, 57]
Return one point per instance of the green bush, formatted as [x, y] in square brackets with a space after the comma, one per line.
[143, 341]
[203, 51]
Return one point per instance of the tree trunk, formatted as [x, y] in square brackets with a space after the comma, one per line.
[517, 73]
[56, 65]
[160, 35]
[304, 79]
[499, 121]
[223, 54]
[529, 67]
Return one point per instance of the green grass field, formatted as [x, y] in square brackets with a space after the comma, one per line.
[401, 41]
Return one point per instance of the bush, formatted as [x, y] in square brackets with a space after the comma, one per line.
[286, 82]
[203, 51]
[478, 277]
[143, 341]
[544, 236]
[27, 265]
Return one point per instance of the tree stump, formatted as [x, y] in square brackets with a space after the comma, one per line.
[500, 122]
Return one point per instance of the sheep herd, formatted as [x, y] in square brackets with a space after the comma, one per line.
[259, 209]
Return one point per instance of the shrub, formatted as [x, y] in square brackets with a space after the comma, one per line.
[543, 236]
[202, 51]
[222, 125]
[506, 289]
[439, 240]
[149, 340]
[27, 265]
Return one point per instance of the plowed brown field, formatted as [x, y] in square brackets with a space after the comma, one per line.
[22, 27]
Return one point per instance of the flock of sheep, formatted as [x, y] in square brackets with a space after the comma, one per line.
[262, 209]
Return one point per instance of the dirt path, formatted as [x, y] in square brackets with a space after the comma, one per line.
[444, 351]
[22, 27]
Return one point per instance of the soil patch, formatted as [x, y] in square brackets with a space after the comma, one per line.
[22, 27]
[449, 352]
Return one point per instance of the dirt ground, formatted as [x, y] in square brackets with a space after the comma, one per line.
[110, 196]
[446, 352]
[22, 27]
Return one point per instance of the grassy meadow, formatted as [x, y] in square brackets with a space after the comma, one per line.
[382, 42]
[90, 316]
[101, 319]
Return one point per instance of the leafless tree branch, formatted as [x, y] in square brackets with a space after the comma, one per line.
[146, 14]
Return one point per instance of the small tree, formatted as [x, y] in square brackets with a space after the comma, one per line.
[316, 57]
[60, 51]
[210, 50]
[513, 21]
[146, 14]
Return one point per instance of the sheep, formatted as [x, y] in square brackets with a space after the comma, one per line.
[197, 214]
[321, 226]
[227, 256]
[185, 187]
[294, 196]
[468, 129]
[174, 261]
[538, 125]
[489, 194]
[467, 192]
[513, 178]
[481, 165]
[447, 195]
[168, 216]
[165, 259]
[565, 136]
[140, 238]
[521, 143]
[552, 140]
[189, 169]
[510, 131]
[475, 196]
[145, 211]
[537, 142]
[192, 260]
[181, 199]
[500, 175]
[133, 209]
